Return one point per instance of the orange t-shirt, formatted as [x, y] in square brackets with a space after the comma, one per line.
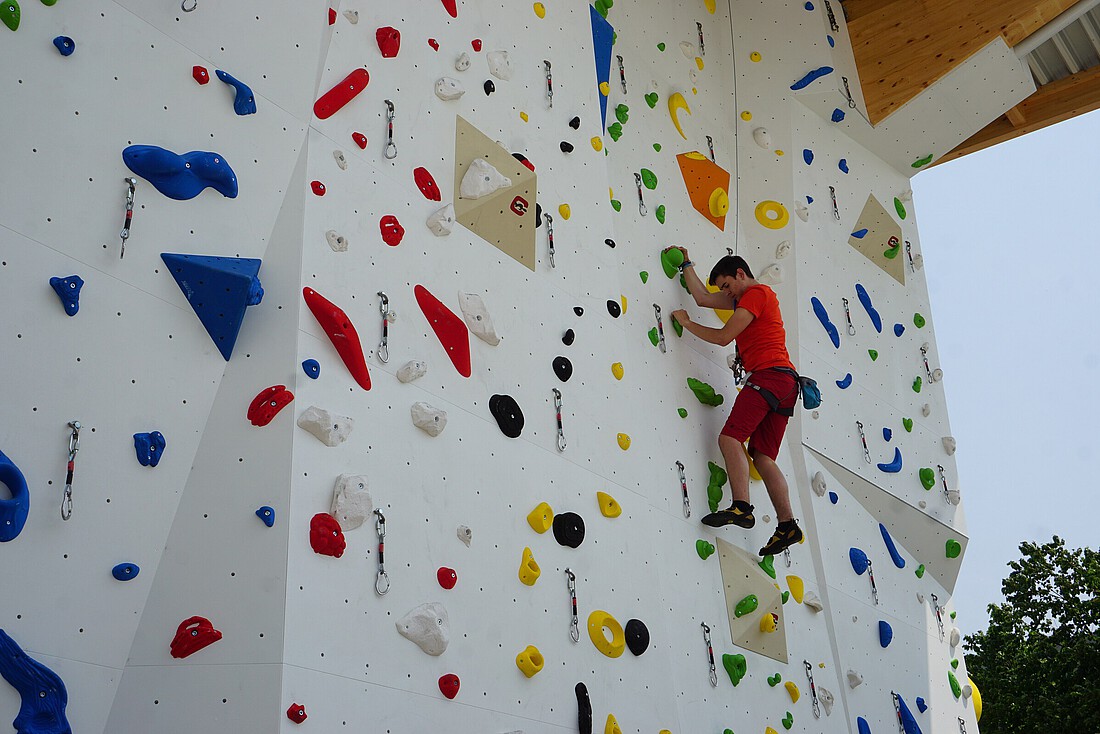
[763, 343]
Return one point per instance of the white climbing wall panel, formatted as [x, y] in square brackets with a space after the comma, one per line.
[299, 627]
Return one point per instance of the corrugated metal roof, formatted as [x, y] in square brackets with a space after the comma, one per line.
[1071, 50]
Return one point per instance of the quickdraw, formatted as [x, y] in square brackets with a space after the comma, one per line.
[934, 375]
[710, 147]
[863, 438]
[131, 188]
[738, 367]
[836, 209]
[943, 483]
[832, 18]
[622, 73]
[557, 408]
[684, 489]
[939, 615]
[574, 624]
[382, 583]
[641, 202]
[710, 655]
[660, 328]
[550, 236]
[897, 712]
[549, 84]
[962, 726]
[848, 318]
[391, 147]
[387, 315]
[848, 93]
[702, 46]
[871, 576]
[787, 556]
[74, 446]
[813, 688]
[909, 254]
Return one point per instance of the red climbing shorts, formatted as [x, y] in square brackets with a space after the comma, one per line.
[751, 419]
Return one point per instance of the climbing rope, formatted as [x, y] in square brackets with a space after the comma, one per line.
[813, 688]
[131, 184]
[684, 489]
[710, 655]
[382, 583]
[74, 446]
[574, 624]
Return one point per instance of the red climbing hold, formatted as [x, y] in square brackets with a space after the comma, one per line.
[267, 404]
[360, 139]
[476, 43]
[448, 685]
[296, 713]
[389, 41]
[426, 184]
[202, 76]
[334, 99]
[452, 7]
[449, 329]
[318, 187]
[434, 44]
[447, 577]
[392, 231]
[342, 332]
[331, 16]
[193, 634]
[325, 535]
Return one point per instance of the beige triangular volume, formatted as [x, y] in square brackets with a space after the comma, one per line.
[881, 244]
[742, 576]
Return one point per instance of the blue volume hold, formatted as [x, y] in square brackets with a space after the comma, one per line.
[267, 514]
[149, 447]
[244, 103]
[885, 633]
[823, 317]
[859, 560]
[846, 382]
[65, 45]
[893, 549]
[834, 497]
[894, 466]
[68, 290]
[42, 692]
[219, 289]
[863, 726]
[808, 156]
[183, 176]
[921, 705]
[312, 368]
[887, 434]
[838, 115]
[811, 77]
[860, 233]
[13, 512]
[603, 35]
[908, 721]
[865, 299]
[899, 329]
[125, 571]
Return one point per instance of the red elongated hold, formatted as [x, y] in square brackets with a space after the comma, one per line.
[325, 535]
[448, 685]
[318, 187]
[332, 16]
[267, 404]
[447, 577]
[192, 635]
[360, 139]
[389, 41]
[202, 76]
[449, 329]
[452, 7]
[476, 43]
[433, 43]
[334, 99]
[392, 231]
[297, 713]
[341, 332]
[426, 184]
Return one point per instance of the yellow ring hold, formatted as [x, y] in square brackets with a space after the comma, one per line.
[565, 211]
[541, 518]
[624, 441]
[530, 661]
[540, 10]
[746, 115]
[529, 571]
[755, 56]
[719, 202]
[600, 620]
[605, 88]
[609, 506]
[617, 370]
[612, 726]
[597, 144]
[766, 207]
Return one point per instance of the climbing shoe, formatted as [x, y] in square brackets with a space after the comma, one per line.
[739, 513]
[786, 535]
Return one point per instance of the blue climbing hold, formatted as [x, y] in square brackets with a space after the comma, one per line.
[125, 571]
[921, 705]
[312, 368]
[908, 721]
[860, 233]
[834, 497]
[885, 633]
[65, 45]
[832, 41]
[219, 289]
[899, 329]
[846, 382]
[894, 466]
[603, 35]
[863, 726]
[893, 549]
[68, 290]
[149, 447]
[809, 200]
[865, 299]
[843, 165]
[887, 434]
[13, 512]
[838, 115]
[183, 176]
[809, 6]
[267, 514]
[811, 77]
[42, 692]
[244, 103]
[808, 156]
[859, 560]
[823, 317]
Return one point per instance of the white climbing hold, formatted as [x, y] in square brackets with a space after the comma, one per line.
[688, 49]
[341, 161]
[949, 445]
[337, 242]
[412, 370]
[428, 626]
[918, 261]
[428, 418]
[922, 504]
[920, 597]
[442, 221]
[802, 211]
[771, 275]
[762, 137]
[854, 678]
[811, 600]
[954, 497]
[500, 65]
[968, 690]
[955, 637]
[782, 249]
[926, 410]
[352, 16]
[906, 195]
[477, 318]
[482, 179]
[462, 63]
[465, 534]
[448, 89]
[818, 484]
[328, 428]
[826, 697]
[351, 501]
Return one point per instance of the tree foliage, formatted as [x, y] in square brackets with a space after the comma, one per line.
[1038, 663]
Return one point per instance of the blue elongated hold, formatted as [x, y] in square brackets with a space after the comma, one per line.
[838, 115]
[149, 447]
[921, 705]
[893, 549]
[68, 290]
[811, 77]
[894, 466]
[125, 571]
[834, 497]
[860, 233]
[808, 156]
[885, 633]
[823, 317]
[219, 289]
[312, 368]
[832, 41]
[65, 45]
[13, 512]
[843, 165]
[183, 176]
[908, 721]
[899, 329]
[859, 560]
[267, 514]
[42, 692]
[846, 382]
[863, 726]
[887, 434]
[245, 102]
[865, 299]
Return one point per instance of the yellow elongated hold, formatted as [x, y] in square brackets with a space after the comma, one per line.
[540, 10]
[598, 621]
[597, 144]
[797, 588]
[564, 211]
[610, 191]
[719, 202]
[612, 726]
[523, 116]
[605, 88]
[541, 518]
[769, 730]
[772, 214]
[609, 506]
[793, 690]
[530, 661]
[529, 571]
[699, 62]
[976, 697]
[676, 102]
[624, 441]
[712, 5]
[769, 623]
[617, 370]
[622, 300]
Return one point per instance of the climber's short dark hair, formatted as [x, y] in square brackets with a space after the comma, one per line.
[729, 265]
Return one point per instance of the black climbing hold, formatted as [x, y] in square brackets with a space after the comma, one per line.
[637, 636]
[563, 368]
[578, 310]
[614, 309]
[584, 709]
[566, 147]
[519, 157]
[575, 123]
[568, 337]
[610, 243]
[538, 215]
[489, 87]
[509, 417]
[569, 529]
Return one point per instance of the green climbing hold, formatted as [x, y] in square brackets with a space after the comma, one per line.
[616, 205]
[671, 259]
[49, 3]
[788, 720]
[683, 412]
[955, 663]
[873, 353]
[774, 680]
[714, 487]
[651, 99]
[9, 13]
[649, 178]
[918, 321]
[892, 252]
[736, 666]
[622, 113]
[920, 162]
[768, 564]
[917, 383]
[908, 423]
[920, 571]
[953, 614]
[653, 337]
[609, 3]
[952, 548]
[644, 276]
[705, 393]
[661, 46]
[747, 605]
[660, 214]
[900, 207]
[927, 477]
[704, 549]
[677, 326]
[601, 7]
[615, 131]
[657, 147]
[956, 689]
[786, 596]
[728, 731]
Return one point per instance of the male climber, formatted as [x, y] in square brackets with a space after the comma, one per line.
[760, 411]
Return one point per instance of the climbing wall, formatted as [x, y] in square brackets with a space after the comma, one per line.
[204, 578]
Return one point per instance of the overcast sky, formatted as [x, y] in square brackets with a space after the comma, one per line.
[1011, 237]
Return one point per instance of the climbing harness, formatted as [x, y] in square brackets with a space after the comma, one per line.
[848, 93]
[710, 146]
[391, 147]
[684, 489]
[660, 328]
[622, 73]
[574, 625]
[641, 202]
[549, 84]
[836, 209]
[848, 318]
[832, 18]
[387, 314]
[550, 236]
[74, 446]
[131, 184]
[382, 583]
[863, 438]
[909, 254]
[934, 375]
[897, 711]
[939, 616]
[561, 430]
[702, 46]
[813, 688]
[871, 576]
[710, 655]
[188, 8]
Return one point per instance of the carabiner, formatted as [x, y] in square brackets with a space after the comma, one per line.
[684, 489]
[710, 146]
[848, 318]
[660, 329]
[74, 446]
[622, 73]
[574, 625]
[187, 9]
[550, 235]
[391, 147]
[382, 583]
[702, 47]
[710, 655]
[557, 408]
[641, 202]
[813, 688]
[384, 345]
[848, 93]
[836, 209]
[863, 438]
[549, 84]
[131, 184]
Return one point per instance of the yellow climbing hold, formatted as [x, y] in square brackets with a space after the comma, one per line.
[793, 690]
[694, 90]
[711, 6]
[676, 102]
[609, 506]
[564, 211]
[612, 726]
[746, 115]
[976, 697]
[523, 116]
[597, 145]
[530, 661]
[768, 623]
[794, 583]
[529, 571]
[772, 214]
[624, 441]
[540, 10]
[719, 202]
[622, 300]
[605, 88]
[598, 621]
[753, 473]
[617, 370]
[699, 63]
[755, 56]
[541, 518]
[769, 730]
[778, 152]
[696, 156]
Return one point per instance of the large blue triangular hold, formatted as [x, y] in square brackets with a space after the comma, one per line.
[603, 35]
[908, 721]
[219, 289]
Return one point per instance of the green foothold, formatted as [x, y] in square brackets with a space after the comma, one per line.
[614, 37]
[671, 259]
[704, 549]
[918, 321]
[927, 477]
[747, 605]
[736, 666]
[622, 113]
[873, 353]
[644, 276]
[956, 689]
[683, 412]
[955, 663]
[788, 721]
[677, 327]
[9, 14]
[892, 252]
[616, 205]
[50, 3]
[919, 163]
[917, 383]
[920, 571]
[657, 147]
[661, 46]
[705, 393]
[900, 207]
[714, 487]
[601, 7]
[786, 596]
[952, 548]
[774, 680]
[908, 423]
[953, 615]
[660, 214]
[651, 99]
[649, 178]
[728, 731]
[768, 564]
[615, 131]
[684, 284]
[609, 3]
[653, 336]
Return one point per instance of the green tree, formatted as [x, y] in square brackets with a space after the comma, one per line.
[1038, 664]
